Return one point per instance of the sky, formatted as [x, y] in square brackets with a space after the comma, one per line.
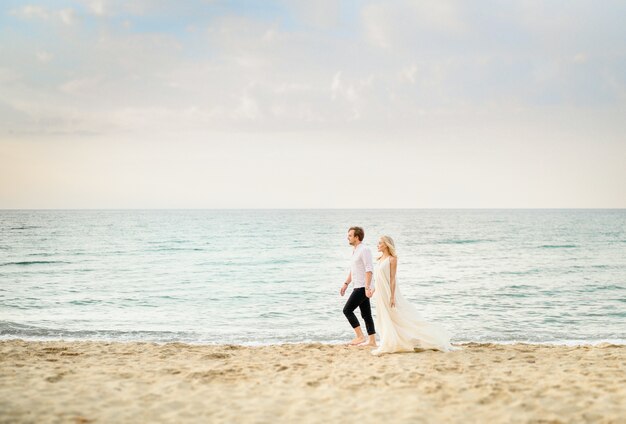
[302, 104]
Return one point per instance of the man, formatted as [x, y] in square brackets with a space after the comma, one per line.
[361, 271]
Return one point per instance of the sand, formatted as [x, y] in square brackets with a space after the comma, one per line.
[83, 382]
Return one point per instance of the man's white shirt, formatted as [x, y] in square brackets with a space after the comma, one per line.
[360, 263]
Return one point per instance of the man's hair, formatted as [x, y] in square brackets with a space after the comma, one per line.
[358, 232]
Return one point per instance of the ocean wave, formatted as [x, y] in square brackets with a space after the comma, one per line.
[603, 287]
[132, 337]
[272, 314]
[461, 241]
[85, 302]
[176, 249]
[14, 330]
[556, 342]
[522, 287]
[527, 272]
[26, 263]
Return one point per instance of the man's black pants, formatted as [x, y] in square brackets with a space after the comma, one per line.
[360, 300]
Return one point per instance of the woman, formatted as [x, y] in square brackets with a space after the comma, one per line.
[399, 324]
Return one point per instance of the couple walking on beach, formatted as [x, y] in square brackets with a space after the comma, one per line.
[401, 327]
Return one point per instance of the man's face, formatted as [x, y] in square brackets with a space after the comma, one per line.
[351, 238]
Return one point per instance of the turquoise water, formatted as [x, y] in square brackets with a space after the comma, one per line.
[273, 276]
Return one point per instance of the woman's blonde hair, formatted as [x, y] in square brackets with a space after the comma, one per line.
[390, 245]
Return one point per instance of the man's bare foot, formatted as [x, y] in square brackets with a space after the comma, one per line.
[369, 344]
[356, 341]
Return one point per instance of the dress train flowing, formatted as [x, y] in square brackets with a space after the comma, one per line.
[402, 328]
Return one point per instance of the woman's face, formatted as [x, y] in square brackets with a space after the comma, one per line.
[382, 246]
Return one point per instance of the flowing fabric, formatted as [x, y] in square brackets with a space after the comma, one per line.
[402, 328]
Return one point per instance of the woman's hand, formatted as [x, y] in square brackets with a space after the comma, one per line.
[392, 301]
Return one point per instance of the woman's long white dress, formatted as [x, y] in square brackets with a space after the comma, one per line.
[402, 328]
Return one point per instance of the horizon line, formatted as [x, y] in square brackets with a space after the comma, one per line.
[309, 209]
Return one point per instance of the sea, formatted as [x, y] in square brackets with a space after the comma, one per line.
[258, 277]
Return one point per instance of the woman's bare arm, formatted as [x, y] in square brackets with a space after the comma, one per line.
[393, 266]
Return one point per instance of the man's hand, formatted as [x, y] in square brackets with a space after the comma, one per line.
[369, 293]
[343, 289]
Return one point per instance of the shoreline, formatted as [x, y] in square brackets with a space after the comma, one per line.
[95, 381]
[563, 343]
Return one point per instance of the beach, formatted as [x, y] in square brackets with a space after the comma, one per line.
[93, 381]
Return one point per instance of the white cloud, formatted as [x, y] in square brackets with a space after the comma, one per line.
[253, 74]
[320, 14]
[547, 70]
[377, 26]
[349, 90]
[80, 85]
[441, 15]
[31, 12]
[580, 58]
[287, 87]
[409, 74]
[108, 8]
[248, 107]
[8, 75]
[68, 16]
[65, 16]
[335, 87]
[400, 25]
[437, 82]
[98, 7]
[44, 57]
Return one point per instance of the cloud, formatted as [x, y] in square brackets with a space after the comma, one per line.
[398, 63]
[169, 10]
[378, 25]
[98, 7]
[580, 58]
[443, 16]
[248, 107]
[335, 87]
[355, 92]
[31, 12]
[398, 25]
[320, 14]
[80, 85]
[44, 57]
[470, 95]
[409, 73]
[8, 76]
[65, 16]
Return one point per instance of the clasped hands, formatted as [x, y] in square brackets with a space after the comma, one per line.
[370, 293]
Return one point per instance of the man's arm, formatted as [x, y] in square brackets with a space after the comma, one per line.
[342, 291]
[369, 269]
